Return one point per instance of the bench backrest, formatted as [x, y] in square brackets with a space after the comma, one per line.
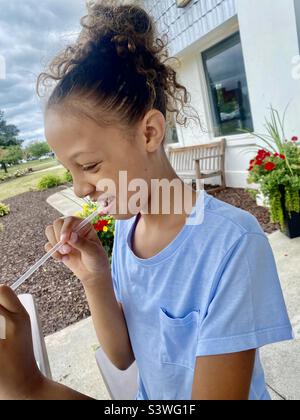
[182, 159]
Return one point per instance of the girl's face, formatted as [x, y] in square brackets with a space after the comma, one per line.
[94, 154]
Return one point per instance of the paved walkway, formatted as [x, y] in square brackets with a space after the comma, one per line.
[71, 350]
[282, 361]
[72, 359]
[50, 169]
[66, 202]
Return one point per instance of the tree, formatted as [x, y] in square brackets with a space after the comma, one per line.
[8, 133]
[37, 149]
[3, 154]
[14, 154]
[10, 155]
[8, 138]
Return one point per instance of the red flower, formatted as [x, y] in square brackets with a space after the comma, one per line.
[259, 162]
[280, 155]
[295, 138]
[270, 166]
[100, 225]
[252, 161]
[262, 154]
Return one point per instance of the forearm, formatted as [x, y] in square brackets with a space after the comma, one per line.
[37, 387]
[49, 390]
[109, 322]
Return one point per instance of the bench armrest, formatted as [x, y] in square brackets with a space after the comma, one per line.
[39, 346]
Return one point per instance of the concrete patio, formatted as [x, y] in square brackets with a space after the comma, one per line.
[72, 351]
[72, 359]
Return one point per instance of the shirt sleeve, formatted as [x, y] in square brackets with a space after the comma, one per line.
[246, 308]
[114, 270]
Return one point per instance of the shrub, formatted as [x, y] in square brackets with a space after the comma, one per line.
[49, 181]
[68, 177]
[4, 210]
[19, 173]
[10, 176]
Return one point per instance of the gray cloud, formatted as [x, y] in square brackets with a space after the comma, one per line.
[31, 32]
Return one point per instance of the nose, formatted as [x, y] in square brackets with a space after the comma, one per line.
[83, 190]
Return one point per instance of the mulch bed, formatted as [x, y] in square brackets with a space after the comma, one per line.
[238, 197]
[59, 294]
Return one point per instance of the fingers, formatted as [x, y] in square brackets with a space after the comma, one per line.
[57, 255]
[9, 301]
[63, 225]
[82, 244]
[63, 228]
[51, 236]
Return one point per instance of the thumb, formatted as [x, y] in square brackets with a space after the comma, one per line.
[9, 300]
[82, 244]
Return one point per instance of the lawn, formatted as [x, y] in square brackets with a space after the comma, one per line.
[36, 165]
[24, 184]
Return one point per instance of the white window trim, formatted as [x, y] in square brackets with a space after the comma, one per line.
[222, 32]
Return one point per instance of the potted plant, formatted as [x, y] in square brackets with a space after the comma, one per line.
[276, 169]
[103, 224]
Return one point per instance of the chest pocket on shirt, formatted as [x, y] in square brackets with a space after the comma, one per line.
[178, 338]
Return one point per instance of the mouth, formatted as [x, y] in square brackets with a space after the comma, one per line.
[106, 203]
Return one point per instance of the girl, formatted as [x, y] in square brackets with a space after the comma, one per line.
[192, 303]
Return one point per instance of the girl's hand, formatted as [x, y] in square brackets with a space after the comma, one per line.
[20, 377]
[82, 253]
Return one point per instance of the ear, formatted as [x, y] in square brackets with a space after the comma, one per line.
[154, 130]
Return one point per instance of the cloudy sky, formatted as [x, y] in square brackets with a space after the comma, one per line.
[31, 32]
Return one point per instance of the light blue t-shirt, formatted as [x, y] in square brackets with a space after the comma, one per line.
[213, 290]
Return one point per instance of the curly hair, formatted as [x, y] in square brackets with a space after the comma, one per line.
[117, 65]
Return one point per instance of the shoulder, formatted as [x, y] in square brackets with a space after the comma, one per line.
[226, 217]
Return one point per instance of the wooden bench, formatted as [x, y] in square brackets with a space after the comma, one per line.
[199, 162]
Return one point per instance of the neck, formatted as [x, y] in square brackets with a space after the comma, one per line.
[170, 204]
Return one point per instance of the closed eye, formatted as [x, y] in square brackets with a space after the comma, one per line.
[90, 168]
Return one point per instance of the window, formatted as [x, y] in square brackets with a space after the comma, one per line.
[171, 131]
[228, 90]
[172, 136]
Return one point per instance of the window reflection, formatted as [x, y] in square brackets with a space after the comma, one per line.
[228, 89]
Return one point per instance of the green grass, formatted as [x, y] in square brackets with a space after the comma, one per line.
[36, 165]
[24, 184]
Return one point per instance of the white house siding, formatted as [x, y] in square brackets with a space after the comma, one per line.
[270, 42]
[190, 23]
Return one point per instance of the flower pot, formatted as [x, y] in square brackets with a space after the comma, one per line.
[292, 224]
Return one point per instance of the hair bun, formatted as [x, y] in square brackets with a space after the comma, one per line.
[128, 27]
[124, 44]
[122, 16]
[119, 62]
